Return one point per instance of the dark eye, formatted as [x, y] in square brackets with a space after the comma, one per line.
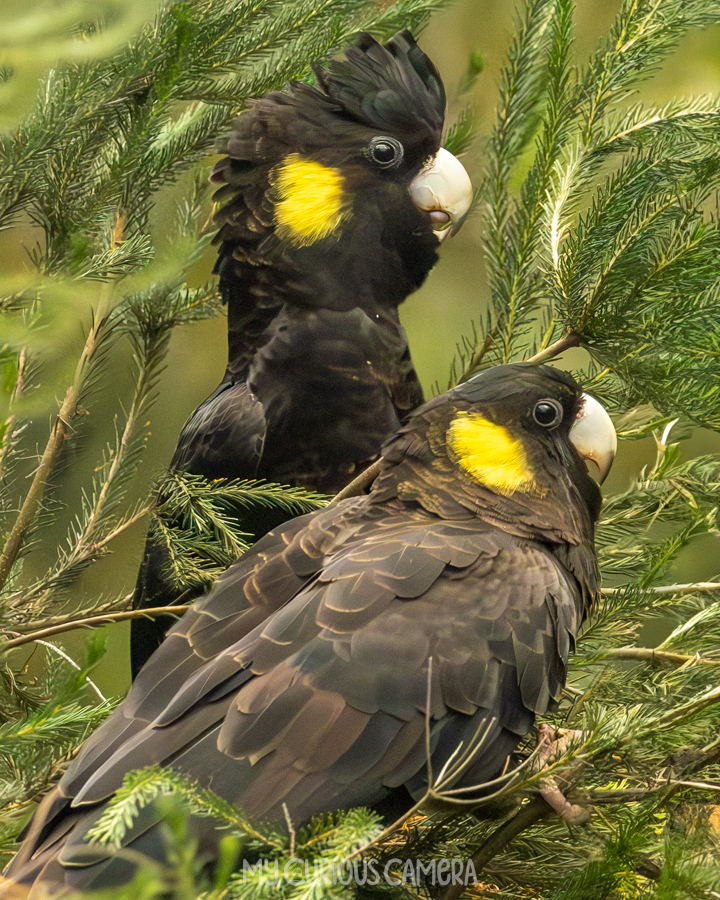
[548, 413]
[385, 151]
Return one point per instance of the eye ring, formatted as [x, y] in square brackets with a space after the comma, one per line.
[385, 152]
[547, 413]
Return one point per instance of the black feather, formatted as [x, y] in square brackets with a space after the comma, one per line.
[292, 713]
[319, 373]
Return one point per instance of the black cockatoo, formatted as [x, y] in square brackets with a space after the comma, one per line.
[300, 684]
[335, 199]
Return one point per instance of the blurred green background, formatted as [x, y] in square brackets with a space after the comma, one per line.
[435, 317]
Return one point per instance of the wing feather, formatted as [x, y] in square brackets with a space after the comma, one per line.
[324, 703]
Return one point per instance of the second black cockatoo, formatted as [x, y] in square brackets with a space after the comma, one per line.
[300, 684]
[335, 199]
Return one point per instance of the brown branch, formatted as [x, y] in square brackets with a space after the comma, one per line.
[709, 698]
[112, 606]
[61, 429]
[633, 795]
[626, 795]
[566, 342]
[93, 622]
[708, 756]
[664, 785]
[33, 499]
[358, 486]
[37, 593]
[526, 816]
[689, 588]
[43, 626]
[650, 654]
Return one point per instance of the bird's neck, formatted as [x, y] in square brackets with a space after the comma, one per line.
[372, 266]
[417, 474]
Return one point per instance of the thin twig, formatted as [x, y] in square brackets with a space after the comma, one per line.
[709, 756]
[93, 622]
[111, 606]
[62, 428]
[450, 772]
[478, 356]
[625, 795]
[566, 342]
[96, 514]
[428, 735]
[75, 666]
[450, 761]
[689, 588]
[709, 698]
[656, 656]
[358, 486]
[632, 795]
[505, 780]
[388, 830]
[291, 829]
[526, 816]
[37, 593]
[700, 785]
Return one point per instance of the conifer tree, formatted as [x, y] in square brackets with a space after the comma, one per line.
[83, 159]
[599, 232]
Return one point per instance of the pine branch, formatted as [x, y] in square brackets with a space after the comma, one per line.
[101, 526]
[93, 622]
[640, 38]
[528, 815]
[199, 521]
[142, 787]
[26, 599]
[11, 429]
[654, 656]
[510, 240]
[566, 342]
[99, 332]
[110, 606]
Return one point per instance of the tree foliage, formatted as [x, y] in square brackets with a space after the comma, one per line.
[125, 115]
[598, 232]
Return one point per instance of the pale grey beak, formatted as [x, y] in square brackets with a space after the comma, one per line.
[593, 435]
[444, 190]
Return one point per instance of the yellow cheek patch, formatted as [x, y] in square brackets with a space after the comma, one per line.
[311, 201]
[488, 453]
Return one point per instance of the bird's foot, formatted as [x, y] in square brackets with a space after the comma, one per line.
[552, 744]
